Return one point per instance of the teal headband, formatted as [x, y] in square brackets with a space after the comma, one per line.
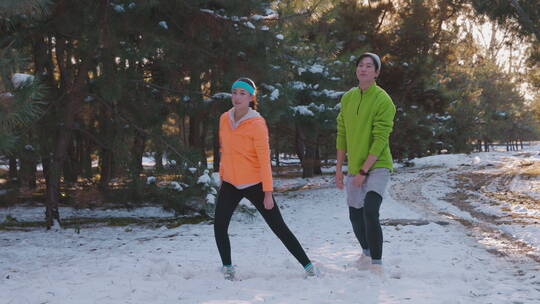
[243, 85]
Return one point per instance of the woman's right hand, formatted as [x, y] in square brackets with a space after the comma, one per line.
[268, 200]
[339, 179]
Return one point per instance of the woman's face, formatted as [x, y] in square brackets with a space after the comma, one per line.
[241, 98]
[365, 71]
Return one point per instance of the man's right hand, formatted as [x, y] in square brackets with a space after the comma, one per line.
[339, 179]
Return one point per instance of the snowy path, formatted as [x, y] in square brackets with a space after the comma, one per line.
[453, 263]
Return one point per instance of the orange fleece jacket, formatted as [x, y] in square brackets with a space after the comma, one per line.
[245, 152]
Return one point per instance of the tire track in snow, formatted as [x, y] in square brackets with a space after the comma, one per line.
[407, 188]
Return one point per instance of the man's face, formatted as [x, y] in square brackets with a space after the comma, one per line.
[365, 71]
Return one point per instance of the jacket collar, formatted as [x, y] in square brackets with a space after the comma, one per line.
[250, 114]
[371, 89]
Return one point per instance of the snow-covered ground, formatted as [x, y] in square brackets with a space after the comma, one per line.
[37, 214]
[458, 257]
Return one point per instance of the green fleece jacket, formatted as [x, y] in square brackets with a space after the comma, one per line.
[364, 123]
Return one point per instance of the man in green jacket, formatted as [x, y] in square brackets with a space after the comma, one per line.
[364, 124]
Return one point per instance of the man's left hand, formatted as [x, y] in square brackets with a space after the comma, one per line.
[358, 180]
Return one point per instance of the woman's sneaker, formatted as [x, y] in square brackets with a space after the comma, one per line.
[311, 270]
[229, 272]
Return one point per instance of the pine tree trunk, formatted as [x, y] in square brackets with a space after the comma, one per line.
[107, 133]
[106, 168]
[308, 165]
[305, 152]
[217, 155]
[86, 158]
[276, 149]
[69, 166]
[158, 158]
[45, 162]
[28, 169]
[197, 136]
[13, 176]
[202, 147]
[299, 142]
[70, 105]
[139, 144]
[317, 167]
[136, 167]
[73, 84]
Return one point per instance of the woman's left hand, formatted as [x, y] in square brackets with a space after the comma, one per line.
[268, 200]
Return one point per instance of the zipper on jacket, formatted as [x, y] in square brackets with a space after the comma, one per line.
[361, 97]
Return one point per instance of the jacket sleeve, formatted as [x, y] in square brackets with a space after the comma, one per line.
[383, 123]
[262, 148]
[341, 139]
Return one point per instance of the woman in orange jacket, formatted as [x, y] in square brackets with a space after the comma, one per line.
[245, 171]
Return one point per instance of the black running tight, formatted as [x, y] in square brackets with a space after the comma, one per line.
[366, 225]
[228, 198]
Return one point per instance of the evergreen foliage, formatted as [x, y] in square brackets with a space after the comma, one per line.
[127, 79]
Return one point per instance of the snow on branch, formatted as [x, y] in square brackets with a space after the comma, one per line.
[271, 15]
[19, 79]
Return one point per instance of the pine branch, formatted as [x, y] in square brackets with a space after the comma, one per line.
[525, 18]
[7, 142]
[9, 8]
[143, 131]
[24, 108]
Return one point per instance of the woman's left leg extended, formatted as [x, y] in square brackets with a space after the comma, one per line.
[274, 219]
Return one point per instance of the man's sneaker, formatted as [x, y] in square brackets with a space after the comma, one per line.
[228, 272]
[362, 263]
[377, 270]
[366, 252]
[311, 270]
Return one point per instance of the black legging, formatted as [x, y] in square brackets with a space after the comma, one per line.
[366, 225]
[228, 198]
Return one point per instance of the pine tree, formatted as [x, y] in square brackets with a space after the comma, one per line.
[21, 95]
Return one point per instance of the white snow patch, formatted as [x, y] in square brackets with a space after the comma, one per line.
[274, 95]
[205, 179]
[119, 8]
[316, 68]
[176, 186]
[20, 79]
[163, 24]
[250, 25]
[302, 110]
[298, 85]
[222, 95]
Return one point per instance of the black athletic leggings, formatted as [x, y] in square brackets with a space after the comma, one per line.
[366, 225]
[228, 198]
